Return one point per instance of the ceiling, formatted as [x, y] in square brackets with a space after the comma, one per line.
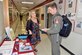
[22, 7]
[19, 4]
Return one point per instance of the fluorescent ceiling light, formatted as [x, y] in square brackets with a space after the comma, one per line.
[28, 2]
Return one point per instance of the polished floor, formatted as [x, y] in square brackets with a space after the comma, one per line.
[44, 48]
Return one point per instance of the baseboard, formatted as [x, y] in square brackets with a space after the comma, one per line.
[67, 50]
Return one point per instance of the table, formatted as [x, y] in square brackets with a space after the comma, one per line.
[17, 48]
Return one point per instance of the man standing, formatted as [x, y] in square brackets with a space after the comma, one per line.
[53, 31]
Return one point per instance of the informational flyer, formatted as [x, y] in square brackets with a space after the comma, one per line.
[78, 21]
[79, 9]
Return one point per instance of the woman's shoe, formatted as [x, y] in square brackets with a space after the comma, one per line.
[35, 50]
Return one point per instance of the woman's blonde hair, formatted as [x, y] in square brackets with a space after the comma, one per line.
[30, 15]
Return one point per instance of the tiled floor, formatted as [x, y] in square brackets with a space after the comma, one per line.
[44, 48]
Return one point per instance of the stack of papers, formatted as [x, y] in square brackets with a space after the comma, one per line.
[23, 48]
[5, 51]
[8, 43]
[7, 48]
[31, 53]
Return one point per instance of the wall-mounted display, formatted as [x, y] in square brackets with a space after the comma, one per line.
[42, 16]
[70, 6]
[78, 21]
[60, 1]
[78, 26]
[70, 3]
[61, 6]
[79, 9]
[38, 13]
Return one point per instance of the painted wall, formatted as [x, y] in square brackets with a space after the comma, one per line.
[74, 41]
[41, 11]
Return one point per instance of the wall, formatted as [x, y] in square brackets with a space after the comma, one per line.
[41, 11]
[78, 21]
[74, 41]
[1, 22]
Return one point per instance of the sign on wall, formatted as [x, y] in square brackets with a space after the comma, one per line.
[70, 8]
[78, 21]
[79, 9]
[61, 6]
[78, 26]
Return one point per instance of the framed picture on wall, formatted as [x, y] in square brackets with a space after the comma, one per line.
[70, 8]
[78, 21]
[42, 16]
[78, 26]
[38, 13]
[70, 3]
[79, 9]
[60, 1]
[61, 6]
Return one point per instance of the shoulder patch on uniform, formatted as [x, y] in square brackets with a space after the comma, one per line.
[56, 21]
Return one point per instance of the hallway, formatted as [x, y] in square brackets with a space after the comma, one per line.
[44, 48]
[10, 11]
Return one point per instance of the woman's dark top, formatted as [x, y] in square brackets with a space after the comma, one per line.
[34, 27]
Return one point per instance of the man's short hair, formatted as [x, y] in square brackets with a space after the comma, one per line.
[53, 5]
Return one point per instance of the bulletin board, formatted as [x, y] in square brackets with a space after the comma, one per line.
[70, 8]
[79, 9]
[78, 22]
[78, 26]
[61, 6]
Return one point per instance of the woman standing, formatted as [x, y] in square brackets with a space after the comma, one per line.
[32, 27]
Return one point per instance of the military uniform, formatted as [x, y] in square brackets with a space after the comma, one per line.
[53, 33]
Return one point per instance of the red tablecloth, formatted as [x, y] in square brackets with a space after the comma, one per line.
[16, 47]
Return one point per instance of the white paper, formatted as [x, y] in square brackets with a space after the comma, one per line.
[10, 33]
[7, 47]
[6, 51]
[8, 43]
[45, 29]
[23, 47]
[31, 53]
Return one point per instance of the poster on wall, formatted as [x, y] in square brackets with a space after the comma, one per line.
[42, 16]
[70, 8]
[61, 7]
[78, 22]
[79, 9]
[78, 26]
[38, 13]
[70, 3]
[60, 1]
